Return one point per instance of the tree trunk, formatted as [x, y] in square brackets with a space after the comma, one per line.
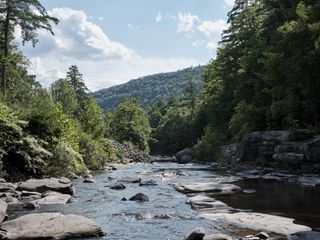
[6, 49]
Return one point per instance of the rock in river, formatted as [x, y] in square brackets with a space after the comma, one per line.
[3, 210]
[50, 226]
[196, 234]
[258, 221]
[140, 197]
[217, 237]
[118, 186]
[207, 187]
[51, 197]
[62, 185]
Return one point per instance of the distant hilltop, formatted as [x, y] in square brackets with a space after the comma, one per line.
[149, 89]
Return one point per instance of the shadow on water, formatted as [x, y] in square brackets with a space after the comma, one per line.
[278, 198]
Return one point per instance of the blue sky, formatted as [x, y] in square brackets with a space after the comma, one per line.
[113, 41]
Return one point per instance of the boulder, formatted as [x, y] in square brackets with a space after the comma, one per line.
[301, 135]
[129, 180]
[140, 197]
[293, 147]
[312, 150]
[207, 187]
[50, 226]
[262, 235]
[201, 201]
[118, 186]
[258, 222]
[196, 234]
[62, 185]
[7, 187]
[184, 156]
[290, 158]
[30, 206]
[217, 237]
[148, 183]
[3, 210]
[51, 197]
[230, 152]
[88, 180]
[311, 181]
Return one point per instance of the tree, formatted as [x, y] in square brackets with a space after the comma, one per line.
[30, 16]
[62, 92]
[129, 123]
[75, 79]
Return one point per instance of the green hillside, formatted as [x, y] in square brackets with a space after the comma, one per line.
[150, 88]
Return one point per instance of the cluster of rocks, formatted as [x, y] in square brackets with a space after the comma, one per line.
[33, 194]
[298, 150]
[132, 155]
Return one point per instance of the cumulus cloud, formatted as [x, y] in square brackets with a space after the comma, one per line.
[159, 17]
[210, 28]
[102, 61]
[186, 22]
[229, 3]
[77, 36]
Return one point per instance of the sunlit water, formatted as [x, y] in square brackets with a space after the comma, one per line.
[118, 218]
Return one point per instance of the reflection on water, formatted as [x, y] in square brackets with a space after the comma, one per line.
[278, 198]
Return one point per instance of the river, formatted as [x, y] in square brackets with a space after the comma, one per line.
[118, 218]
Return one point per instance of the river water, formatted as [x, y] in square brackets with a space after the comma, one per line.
[118, 218]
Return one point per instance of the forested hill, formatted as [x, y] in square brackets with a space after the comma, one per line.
[150, 88]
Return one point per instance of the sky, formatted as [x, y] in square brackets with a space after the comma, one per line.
[114, 41]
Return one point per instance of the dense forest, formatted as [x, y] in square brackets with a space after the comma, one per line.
[266, 76]
[149, 89]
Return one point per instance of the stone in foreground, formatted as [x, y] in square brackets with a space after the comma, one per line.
[3, 210]
[50, 226]
[207, 187]
[196, 234]
[140, 197]
[258, 221]
[51, 197]
[62, 185]
[217, 237]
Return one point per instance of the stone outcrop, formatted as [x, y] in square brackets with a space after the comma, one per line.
[196, 234]
[258, 221]
[3, 210]
[50, 226]
[62, 185]
[207, 187]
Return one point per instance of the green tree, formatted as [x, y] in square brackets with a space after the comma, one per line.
[20, 13]
[75, 79]
[129, 123]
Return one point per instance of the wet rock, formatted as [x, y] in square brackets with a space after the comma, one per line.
[50, 226]
[62, 185]
[301, 134]
[305, 236]
[230, 152]
[196, 234]
[162, 216]
[144, 216]
[249, 191]
[262, 235]
[118, 186]
[184, 156]
[293, 147]
[290, 158]
[3, 210]
[309, 181]
[7, 187]
[88, 180]
[124, 199]
[258, 221]
[129, 180]
[140, 197]
[207, 187]
[217, 237]
[148, 183]
[200, 202]
[30, 206]
[51, 197]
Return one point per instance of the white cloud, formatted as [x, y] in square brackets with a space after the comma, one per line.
[210, 28]
[159, 17]
[101, 18]
[103, 62]
[229, 3]
[186, 22]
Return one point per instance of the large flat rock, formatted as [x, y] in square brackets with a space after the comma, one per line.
[207, 187]
[50, 226]
[205, 202]
[258, 221]
[62, 185]
[3, 210]
[53, 198]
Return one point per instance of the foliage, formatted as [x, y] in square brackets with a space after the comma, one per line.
[129, 123]
[149, 89]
